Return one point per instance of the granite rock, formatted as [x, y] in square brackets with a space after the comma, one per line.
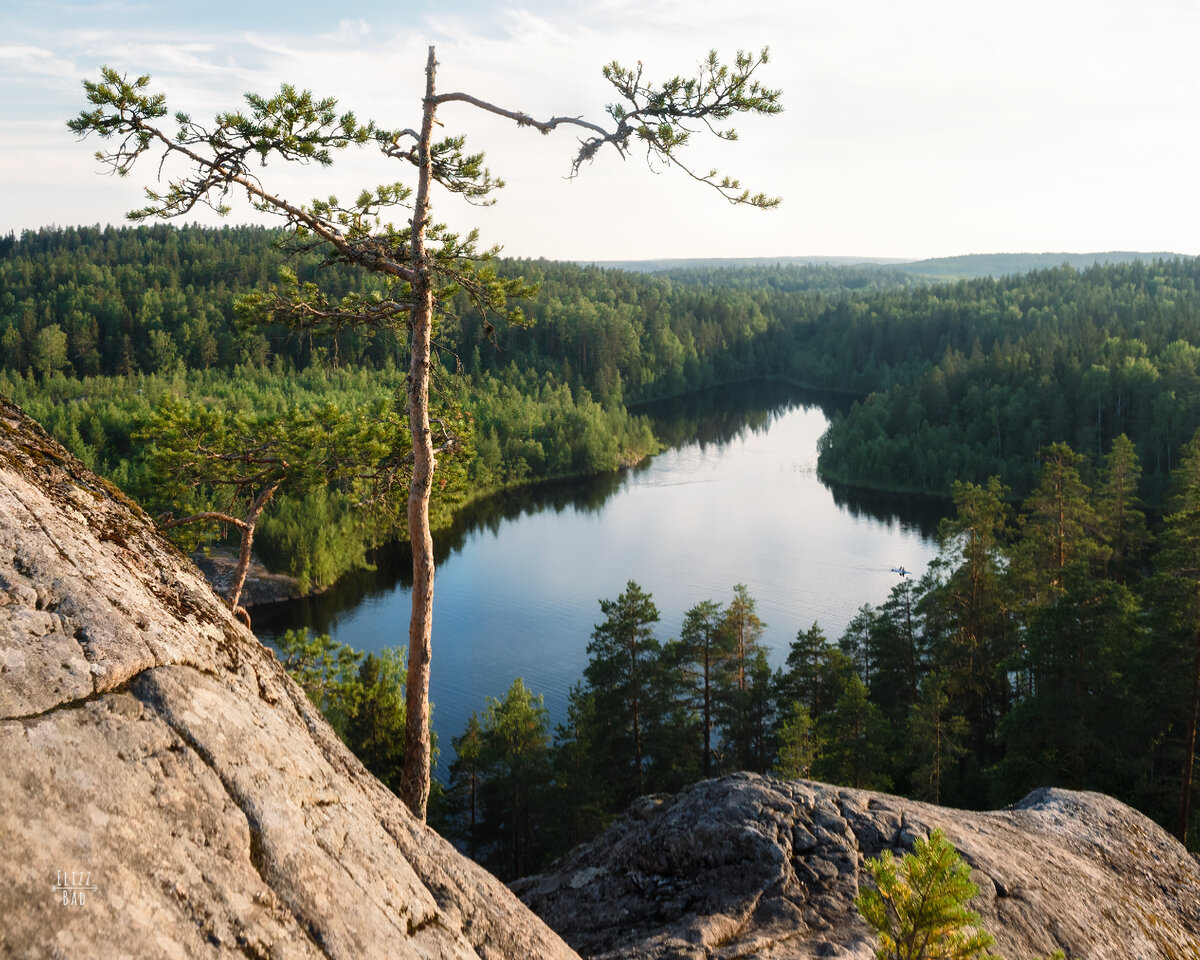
[167, 790]
[750, 866]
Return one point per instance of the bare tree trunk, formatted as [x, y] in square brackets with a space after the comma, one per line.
[414, 782]
[239, 575]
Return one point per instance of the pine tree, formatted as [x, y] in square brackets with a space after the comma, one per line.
[741, 631]
[814, 674]
[420, 263]
[855, 643]
[918, 906]
[1061, 536]
[622, 652]
[703, 651]
[974, 609]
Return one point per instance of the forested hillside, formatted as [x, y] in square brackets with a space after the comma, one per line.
[959, 381]
[1056, 642]
[973, 379]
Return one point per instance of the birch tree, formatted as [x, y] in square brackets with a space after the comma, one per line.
[420, 262]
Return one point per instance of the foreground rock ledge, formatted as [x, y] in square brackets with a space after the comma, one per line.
[165, 789]
[748, 866]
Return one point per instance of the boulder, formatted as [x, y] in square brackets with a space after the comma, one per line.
[166, 789]
[750, 866]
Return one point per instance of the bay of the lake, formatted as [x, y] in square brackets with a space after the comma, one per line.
[735, 499]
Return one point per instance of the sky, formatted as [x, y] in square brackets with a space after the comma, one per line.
[912, 129]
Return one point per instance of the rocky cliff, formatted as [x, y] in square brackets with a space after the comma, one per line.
[165, 789]
[748, 866]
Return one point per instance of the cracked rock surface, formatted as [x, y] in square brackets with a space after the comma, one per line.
[749, 866]
[165, 789]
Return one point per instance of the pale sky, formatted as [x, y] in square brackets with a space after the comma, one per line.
[911, 129]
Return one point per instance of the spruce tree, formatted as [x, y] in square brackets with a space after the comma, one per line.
[1120, 509]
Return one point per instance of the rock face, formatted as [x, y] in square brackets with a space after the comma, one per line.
[165, 789]
[748, 866]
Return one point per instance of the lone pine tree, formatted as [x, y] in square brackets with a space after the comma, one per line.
[420, 262]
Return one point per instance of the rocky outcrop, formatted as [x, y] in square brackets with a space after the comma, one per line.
[165, 789]
[748, 866]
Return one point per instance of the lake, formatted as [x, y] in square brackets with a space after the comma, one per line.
[735, 499]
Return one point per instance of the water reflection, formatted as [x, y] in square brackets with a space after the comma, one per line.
[735, 499]
[712, 420]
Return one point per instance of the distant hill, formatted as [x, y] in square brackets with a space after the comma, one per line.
[708, 263]
[968, 265]
[1005, 264]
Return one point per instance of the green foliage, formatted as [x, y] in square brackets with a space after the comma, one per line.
[662, 118]
[918, 906]
[701, 657]
[499, 783]
[974, 378]
[854, 735]
[362, 696]
[937, 739]
[375, 731]
[742, 699]
[798, 744]
[327, 671]
[622, 653]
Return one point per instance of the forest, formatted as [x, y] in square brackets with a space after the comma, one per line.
[1055, 412]
[1050, 643]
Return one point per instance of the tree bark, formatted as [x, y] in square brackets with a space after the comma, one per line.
[251, 521]
[414, 782]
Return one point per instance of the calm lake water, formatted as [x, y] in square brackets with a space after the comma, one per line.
[736, 499]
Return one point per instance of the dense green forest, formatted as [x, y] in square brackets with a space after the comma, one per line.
[1053, 641]
[99, 328]
[1051, 644]
[959, 381]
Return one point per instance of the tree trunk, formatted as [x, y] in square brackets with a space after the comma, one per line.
[707, 718]
[414, 782]
[239, 574]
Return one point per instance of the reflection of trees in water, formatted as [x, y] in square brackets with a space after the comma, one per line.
[909, 513]
[392, 562]
[715, 417]
[720, 415]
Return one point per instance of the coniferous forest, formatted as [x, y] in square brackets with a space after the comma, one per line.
[1055, 640]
